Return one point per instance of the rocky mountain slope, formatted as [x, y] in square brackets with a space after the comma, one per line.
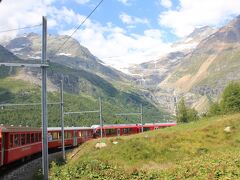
[213, 63]
[151, 75]
[199, 73]
[71, 54]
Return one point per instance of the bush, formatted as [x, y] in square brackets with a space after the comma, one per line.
[214, 109]
[186, 114]
[230, 101]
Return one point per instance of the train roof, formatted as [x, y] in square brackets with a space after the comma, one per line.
[160, 124]
[4, 128]
[68, 128]
[18, 129]
[109, 126]
[115, 125]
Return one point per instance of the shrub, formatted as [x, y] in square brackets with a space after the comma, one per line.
[186, 114]
[230, 101]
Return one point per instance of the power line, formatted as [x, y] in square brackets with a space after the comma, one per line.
[78, 27]
[27, 27]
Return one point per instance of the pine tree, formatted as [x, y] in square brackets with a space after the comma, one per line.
[182, 112]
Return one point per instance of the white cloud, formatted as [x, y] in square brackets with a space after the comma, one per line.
[166, 3]
[125, 2]
[191, 14]
[109, 42]
[112, 45]
[131, 20]
[16, 14]
[66, 15]
[82, 1]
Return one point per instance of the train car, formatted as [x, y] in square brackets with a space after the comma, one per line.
[155, 126]
[73, 136]
[116, 130]
[19, 142]
[126, 129]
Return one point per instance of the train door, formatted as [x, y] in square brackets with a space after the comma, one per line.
[74, 138]
[118, 132]
[1, 149]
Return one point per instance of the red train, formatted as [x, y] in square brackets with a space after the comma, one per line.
[21, 142]
[125, 129]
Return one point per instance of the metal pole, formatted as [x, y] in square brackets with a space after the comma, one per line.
[141, 117]
[44, 101]
[62, 121]
[100, 116]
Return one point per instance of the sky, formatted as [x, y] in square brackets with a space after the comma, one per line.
[119, 32]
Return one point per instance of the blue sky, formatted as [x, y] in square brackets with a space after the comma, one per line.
[120, 32]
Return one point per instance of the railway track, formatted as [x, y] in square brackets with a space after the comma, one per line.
[25, 170]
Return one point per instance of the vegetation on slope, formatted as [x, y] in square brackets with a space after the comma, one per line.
[200, 149]
[186, 114]
[230, 101]
[16, 91]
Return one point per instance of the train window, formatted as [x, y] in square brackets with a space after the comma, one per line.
[146, 128]
[60, 134]
[54, 135]
[68, 135]
[28, 139]
[11, 141]
[110, 131]
[32, 138]
[16, 140]
[125, 131]
[23, 141]
[36, 137]
[40, 136]
[98, 132]
[79, 134]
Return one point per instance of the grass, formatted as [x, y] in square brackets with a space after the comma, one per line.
[198, 150]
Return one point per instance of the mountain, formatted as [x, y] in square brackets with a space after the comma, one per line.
[7, 56]
[151, 75]
[213, 63]
[201, 74]
[64, 50]
[82, 88]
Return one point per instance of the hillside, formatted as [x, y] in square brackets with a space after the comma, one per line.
[201, 74]
[152, 74]
[212, 65]
[202, 149]
[82, 89]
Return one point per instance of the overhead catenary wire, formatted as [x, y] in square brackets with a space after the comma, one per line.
[80, 25]
[21, 28]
